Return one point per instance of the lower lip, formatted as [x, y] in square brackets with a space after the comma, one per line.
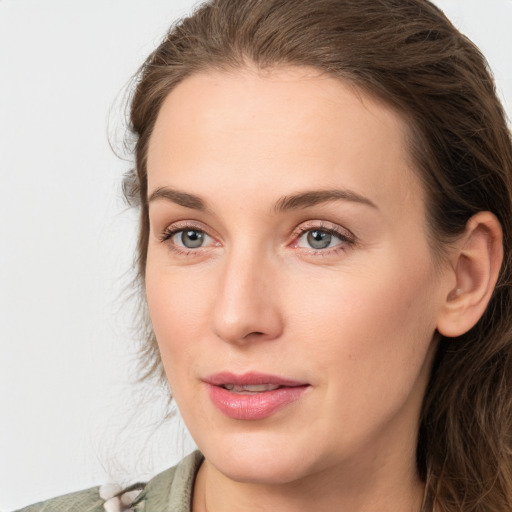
[254, 406]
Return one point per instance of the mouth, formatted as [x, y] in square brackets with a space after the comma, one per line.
[252, 396]
[250, 388]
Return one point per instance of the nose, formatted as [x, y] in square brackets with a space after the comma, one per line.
[247, 305]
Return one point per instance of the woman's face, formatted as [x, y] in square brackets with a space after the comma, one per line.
[290, 283]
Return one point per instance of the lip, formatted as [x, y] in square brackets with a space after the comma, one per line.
[252, 406]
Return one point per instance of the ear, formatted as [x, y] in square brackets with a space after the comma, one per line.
[476, 263]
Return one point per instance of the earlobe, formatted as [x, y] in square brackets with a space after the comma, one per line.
[476, 264]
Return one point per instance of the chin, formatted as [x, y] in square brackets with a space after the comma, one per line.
[264, 460]
[263, 471]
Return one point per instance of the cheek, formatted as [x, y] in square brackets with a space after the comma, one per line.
[367, 325]
[178, 304]
[369, 338]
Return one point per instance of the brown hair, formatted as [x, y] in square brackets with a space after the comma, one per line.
[409, 55]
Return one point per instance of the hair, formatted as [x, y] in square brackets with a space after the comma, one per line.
[407, 54]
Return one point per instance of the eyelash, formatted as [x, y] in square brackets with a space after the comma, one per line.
[169, 232]
[346, 238]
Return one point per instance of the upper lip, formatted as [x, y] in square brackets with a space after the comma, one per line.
[250, 378]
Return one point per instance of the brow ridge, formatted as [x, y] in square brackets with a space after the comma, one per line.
[290, 202]
[314, 197]
[181, 198]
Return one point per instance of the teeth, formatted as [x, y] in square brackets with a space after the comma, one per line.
[251, 388]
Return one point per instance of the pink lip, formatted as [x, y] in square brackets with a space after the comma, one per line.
[255, 406]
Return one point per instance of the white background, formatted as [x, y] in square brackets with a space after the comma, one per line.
[70, 416]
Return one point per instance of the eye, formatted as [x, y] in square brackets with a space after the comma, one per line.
[190, 238]
[323, 238]
[182, 238]
[317, 239]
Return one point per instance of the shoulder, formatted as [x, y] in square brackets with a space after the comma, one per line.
[169, 490]
[83, 501]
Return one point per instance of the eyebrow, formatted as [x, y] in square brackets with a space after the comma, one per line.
[293, 202]
[314, 197]
[180, 198]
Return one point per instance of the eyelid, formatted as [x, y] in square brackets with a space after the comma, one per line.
[181, 225]
[347, 238]
[166, 235]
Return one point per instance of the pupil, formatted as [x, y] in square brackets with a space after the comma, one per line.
[192, 238]
[319, 239]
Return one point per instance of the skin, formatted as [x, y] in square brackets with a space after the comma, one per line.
[355, 320]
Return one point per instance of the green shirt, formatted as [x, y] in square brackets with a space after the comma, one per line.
[170, 491]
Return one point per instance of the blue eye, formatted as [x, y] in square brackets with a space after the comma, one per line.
[187, 239]
[319, 239]
[190, 238]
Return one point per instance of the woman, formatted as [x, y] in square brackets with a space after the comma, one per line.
[325, 199]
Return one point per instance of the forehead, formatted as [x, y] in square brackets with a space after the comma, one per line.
[290, 126]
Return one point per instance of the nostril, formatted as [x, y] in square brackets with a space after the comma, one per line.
[254, 335]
